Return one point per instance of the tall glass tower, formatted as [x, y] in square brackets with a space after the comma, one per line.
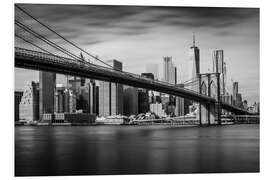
[219, 66]
[194, 66]
[169, 70]
[194, 61]
[46, 92]
[111, 98]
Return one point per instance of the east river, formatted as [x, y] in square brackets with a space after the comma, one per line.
[89, 150]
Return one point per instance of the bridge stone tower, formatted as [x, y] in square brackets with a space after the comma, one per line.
[209, 113]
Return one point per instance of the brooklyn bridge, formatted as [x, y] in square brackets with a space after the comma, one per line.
[207, 91]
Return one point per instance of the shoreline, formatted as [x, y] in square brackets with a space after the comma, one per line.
[149, 124]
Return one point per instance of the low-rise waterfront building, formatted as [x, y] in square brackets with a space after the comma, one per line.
[68, 118]
[157, 108]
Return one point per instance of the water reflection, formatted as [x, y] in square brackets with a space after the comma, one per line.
[88, 150]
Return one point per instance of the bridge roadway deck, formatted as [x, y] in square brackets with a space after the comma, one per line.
[36, 60]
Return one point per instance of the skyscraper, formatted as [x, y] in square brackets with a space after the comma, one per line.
[104, 98]
[144, 94]
[96, 100]
[83, 99]
[17, 99]
[75, 85]
[239, 102]
[29, 105]
[143, 101]
[224, 76]
[175, 75]
[111, 94]
[218, 61]
[72, 102]
[219, 66]
[170, 76]
[194, 61]
[169, 70]
[61, 99]
[82, 78]
[245, 104]
[149, 92]
[93, 97]
[235, 91]
[130, 101]
[58, 99]
[85, 93]
[237, 97]
[180, 104]
[148, 75]
[152, 68]
[46, 92]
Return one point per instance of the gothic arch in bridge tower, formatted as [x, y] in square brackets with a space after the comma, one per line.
[208, 87]
[213, 89]
[204, 88]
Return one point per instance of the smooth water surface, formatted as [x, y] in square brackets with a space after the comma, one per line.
[88, 150]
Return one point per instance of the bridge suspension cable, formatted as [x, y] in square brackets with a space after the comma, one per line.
[44, 39]
[25, 40]
[73, 44]
[190, 81]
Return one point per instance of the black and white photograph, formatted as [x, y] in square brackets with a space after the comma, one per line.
[135, 89]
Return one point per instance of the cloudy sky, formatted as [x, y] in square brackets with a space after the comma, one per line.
[140, 35]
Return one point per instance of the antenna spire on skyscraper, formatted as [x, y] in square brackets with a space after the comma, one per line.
[193, 39]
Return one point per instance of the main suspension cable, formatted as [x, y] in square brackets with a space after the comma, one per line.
[62, 36]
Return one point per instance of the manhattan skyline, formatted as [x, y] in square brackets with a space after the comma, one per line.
[138, 36]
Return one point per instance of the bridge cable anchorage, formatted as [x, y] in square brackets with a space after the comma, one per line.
[62, 36]
[37, 35]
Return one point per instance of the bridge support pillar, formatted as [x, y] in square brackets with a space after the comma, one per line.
[218, 113]
[207, 114]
